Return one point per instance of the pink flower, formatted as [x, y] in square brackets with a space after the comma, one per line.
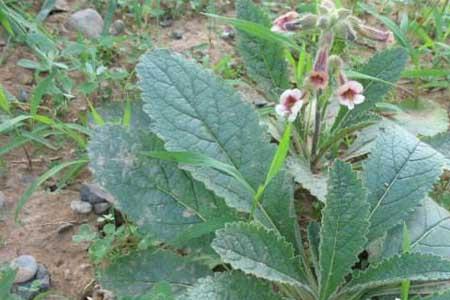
[319, 75]
[281, 24]
[350, 93]
[291, 101]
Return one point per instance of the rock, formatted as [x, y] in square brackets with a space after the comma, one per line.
[94, 194]
[177, 35]
[117, 27]
[26, 267]
[2, 200]
[87, 21]
[29, 290]
[167, 22]
[61, 5]
[228, 34]
[101, 208]
[64, 228]
[23, 96]
[81, 207]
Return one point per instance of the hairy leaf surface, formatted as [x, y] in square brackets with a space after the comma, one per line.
[162, 199]
[429, 231]
[441, 142]
[344, 227]
[264, 59]
[414, 267]
[192, 110]
[436, 296]
[230, 285]
[316, 184]
[258, 251]
[138, 273]
[399, 173]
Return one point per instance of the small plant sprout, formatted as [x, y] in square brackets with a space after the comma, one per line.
[291, 101]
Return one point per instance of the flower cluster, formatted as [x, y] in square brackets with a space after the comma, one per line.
[331, 22]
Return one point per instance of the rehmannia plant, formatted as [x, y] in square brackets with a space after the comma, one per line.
[213, 241]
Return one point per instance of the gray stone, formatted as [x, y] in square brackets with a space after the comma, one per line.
[23, 96]
[177, 35]
[26, 267]
[166, 23]
[61, 5]
[87, 21]
[81, 207]
[117, 27]
[101, 208]
[228, 33]
[2, 200]
[30, 289]
[94, 194]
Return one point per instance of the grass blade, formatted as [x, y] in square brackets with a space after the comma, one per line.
[9, 124]
[280, 155]
[4, 102]
[41, 179]
[39, 93]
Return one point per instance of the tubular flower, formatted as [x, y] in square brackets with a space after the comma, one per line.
[283, 23]
[376, 34]
[319, 75]
[350, 92]
[291, 101]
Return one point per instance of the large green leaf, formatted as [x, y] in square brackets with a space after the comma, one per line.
[263, 58]
[441, 142]
[138, 273]
[344, 227]
[258, 251]
[424, 117]
[399, 173]
[162, 199]
[316, 184]
[194, 111]
[386, 65]
[230, 286]
[414, 267]
[428, 227]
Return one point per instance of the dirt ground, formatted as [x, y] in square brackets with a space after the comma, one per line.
[47, 222]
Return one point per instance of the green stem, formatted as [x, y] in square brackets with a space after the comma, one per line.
[316, 134]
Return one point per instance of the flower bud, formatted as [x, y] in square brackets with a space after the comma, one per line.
[284, 22]
[323, 23]
[306, 21]
[319, 75]
[375, 34]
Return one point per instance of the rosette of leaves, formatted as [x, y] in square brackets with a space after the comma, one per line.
[198, 213]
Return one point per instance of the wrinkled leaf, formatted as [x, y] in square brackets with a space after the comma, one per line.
[428, 227]
[263, 59]
[428, 118]
[316, 184]
[399, 173]
[230, 286]
[162, 199]
[138, 273]
[194, 111]
[414, 267]
[441, 142]
[258, 251]
[344, 227]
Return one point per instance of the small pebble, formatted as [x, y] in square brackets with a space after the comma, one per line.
[81, 207]
[177, 35]
[101, 208]
[23, 96]
[94, 194]
[2, 200]
[44, 278]
[117, 27]
[87, 21]
[166, 23]
[228, 33]
[26, 267]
